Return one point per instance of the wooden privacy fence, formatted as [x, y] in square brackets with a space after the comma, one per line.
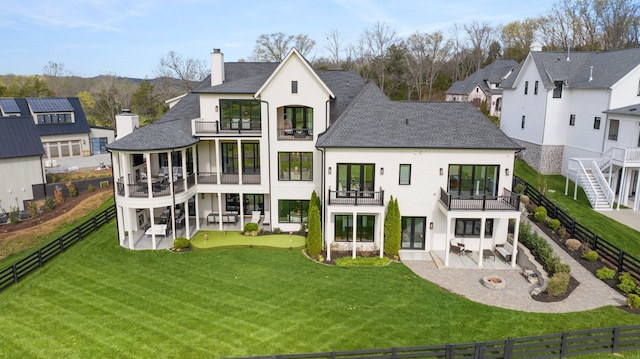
[22, 268]
[608, 252]
[560, 345]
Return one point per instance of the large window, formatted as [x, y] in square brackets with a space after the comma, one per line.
[299, 119]
[572, 120]
[596, 123]
[522, 122]
[240, 114]
[251, 158]
[229, 157]
[253, 202]
[535, 88]
[293, 211]
[295, 166]
[468, 180]
[232, 202]
[466, 227]
[613, 129]
[413, 230]
[405, 174]
[526, 87]
[557, 92]
[344, 228]
[355, 177]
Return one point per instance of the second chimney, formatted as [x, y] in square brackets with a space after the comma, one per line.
[217, 67]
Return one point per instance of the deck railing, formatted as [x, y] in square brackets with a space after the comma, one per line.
[355, 198]
[305, 134]
[484, 202]
[203, 127]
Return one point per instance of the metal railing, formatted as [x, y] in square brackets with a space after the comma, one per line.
[483, 202]
[295, 134]
[203, 127]
[355, 198]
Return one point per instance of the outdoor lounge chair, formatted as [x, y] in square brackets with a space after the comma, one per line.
[267, 218]
[255, 217]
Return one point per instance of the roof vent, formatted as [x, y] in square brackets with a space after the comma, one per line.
[126, 110]
[590, 73]
[406, 121]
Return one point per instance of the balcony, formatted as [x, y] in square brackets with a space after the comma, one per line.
[200, 127]
[356, 198]
[482, 202]
[159, 187]
[296, 134]
[228, 178]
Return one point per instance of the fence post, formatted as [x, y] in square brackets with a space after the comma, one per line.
[595, 242]
[479, 352]
[449, 352]
[573, 227]
[79, 230]
[620, 260]
[61, 244]
[15, 273]
[508, 348]
[563, 345]
[40, 257]
[394, 353]
[95, 223]
[614, 340]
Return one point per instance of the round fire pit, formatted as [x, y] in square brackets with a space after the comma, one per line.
[494, 282]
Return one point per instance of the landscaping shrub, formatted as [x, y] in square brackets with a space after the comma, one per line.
[605, 273]
[180, 243]
[562, 268]
[392, 228]
[540, 215]
[553, 223]
[633, 301]
[90, 188]
[14, 215]
[314, 237]
[49, 203]
[361, 262]
[539, 247]
[525, 199]
[531, 207]
[590, 255]
[277, 230]
[250, 229]
[519, 189]
[558, 284]
[627, 283]
[32, 208]
[562, 232]
[57, 193]
[573, 244]
[72, 189]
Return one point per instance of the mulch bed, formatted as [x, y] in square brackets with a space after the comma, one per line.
[68, 204]
[590, 266]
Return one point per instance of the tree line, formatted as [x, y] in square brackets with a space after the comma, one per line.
[421, 66]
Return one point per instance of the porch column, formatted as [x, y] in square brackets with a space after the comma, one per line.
[218, 154]
[380, 224]
[171, 221]
[197, 211]
[621, 189]
[447, 241]
[516, 232]
[147, 158]
[239, 161]
[636, 203]
[127, 225]
[171, 183]
[353, 234]
[219, 210]
[241, 214]
[126, 174]
[153, 233]
[187, 232]
[480, 254]
[327, 222]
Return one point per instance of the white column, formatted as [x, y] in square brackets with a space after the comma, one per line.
[198, 212]
[447, 242]
[239, 161]
[127, 225]
[621, 188]
[241, 214]
[153, 234]
[126, 174]
[219, 210]
[380, 225]
[353, 234]
[147, 157]
[636, 202]
[480, 254]
[120, 219]
[218, 155]
[516, 232]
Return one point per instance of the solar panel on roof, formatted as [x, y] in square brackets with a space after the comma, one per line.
[49, 105]
[9, 105]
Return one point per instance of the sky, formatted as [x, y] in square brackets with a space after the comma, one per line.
[129, 37]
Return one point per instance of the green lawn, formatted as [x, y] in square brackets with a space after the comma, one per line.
[618, 234]
[100, 300]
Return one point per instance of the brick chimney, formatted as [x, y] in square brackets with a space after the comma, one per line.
[217, 67]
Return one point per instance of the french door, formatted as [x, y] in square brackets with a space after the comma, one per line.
[413, 232]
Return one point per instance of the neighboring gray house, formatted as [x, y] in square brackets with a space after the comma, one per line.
[483, 85]
[20, 161]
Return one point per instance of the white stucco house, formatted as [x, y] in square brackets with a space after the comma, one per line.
[575, 115]
[484, 85]
[253, 141]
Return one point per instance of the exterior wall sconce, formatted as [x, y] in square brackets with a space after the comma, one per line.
[216, 108]
[329, 170]
[430, 225]
[506, 171]
[84, 142]
[381, 170]
[441, 171]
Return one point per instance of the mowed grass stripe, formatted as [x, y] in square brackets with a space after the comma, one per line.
[238, 302]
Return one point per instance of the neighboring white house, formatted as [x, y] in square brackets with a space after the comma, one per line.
[567, 110]
[484, 85]
[20, 162]
[253, 141]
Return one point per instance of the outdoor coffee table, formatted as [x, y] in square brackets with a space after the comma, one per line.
[486, 253]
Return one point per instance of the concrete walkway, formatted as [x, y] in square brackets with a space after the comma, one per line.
[591, 293]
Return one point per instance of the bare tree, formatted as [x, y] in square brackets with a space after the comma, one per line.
[334, 46]
[113, 94]
[274, 47]
[517, 37]
[188, 70]
[378, 39]
[480, 36]
[426, 56]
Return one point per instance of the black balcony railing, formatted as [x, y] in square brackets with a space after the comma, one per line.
[295, 134]
[355, 198]
[248, 127]
[482, 202]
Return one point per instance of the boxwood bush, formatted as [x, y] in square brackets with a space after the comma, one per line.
[181, 242]
[627, 283]
[633, 301]
[553, 223]
[605, 273]
[558, 284]
[590, 255]
[250, 228]
[540, 214]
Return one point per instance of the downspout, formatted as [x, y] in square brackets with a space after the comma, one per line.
[269, 157]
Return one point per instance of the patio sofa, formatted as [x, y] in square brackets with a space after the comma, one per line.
[505, 249]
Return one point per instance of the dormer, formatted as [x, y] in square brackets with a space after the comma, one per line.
[50, 111]
[9, 107]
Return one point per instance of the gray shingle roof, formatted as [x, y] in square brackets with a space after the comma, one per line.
[240, 77]
[18, 137]
[374, 121]
[631, 110]
[492, 74]
[608, 67]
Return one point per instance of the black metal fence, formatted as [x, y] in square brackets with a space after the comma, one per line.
[13, 274]
[560, 345]
[608, 252]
